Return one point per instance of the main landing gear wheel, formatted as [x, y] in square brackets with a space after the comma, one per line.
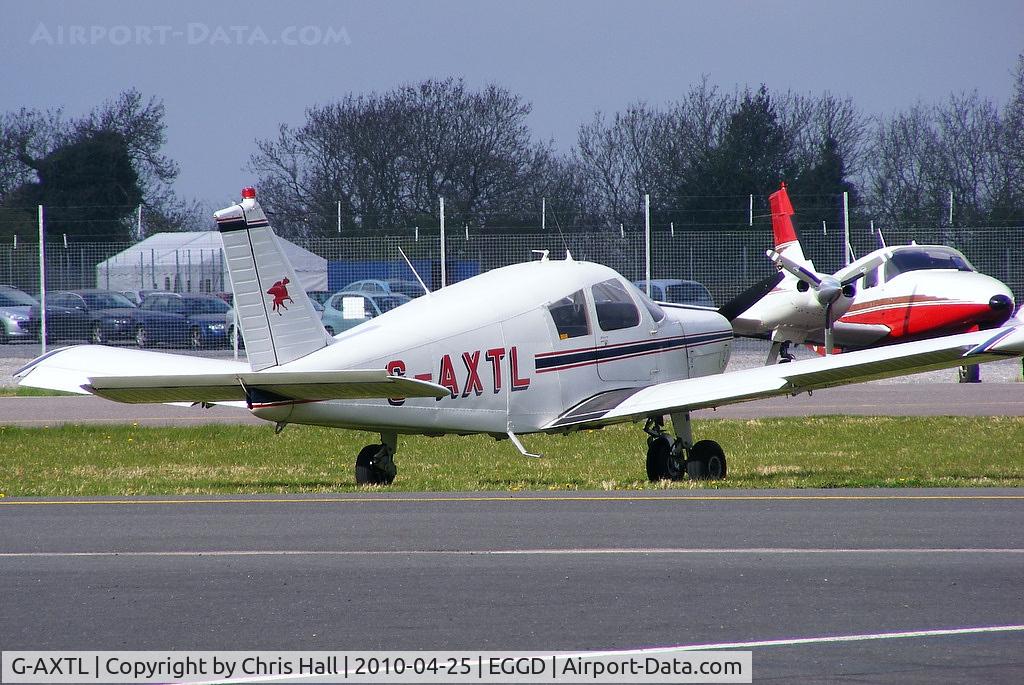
[661, 462]
[671, 458]
[971, 373]
[375, 465]
[706, 462]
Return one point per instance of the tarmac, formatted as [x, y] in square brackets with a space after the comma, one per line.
[914, 586]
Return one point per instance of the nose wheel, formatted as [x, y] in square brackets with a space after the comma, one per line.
[671, 458]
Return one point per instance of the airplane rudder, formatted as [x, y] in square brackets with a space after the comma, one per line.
[277, 321]
[783, 230]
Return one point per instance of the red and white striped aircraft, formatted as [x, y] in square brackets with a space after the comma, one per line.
[892, 295]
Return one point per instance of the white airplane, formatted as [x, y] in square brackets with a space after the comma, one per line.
[891, 295]
[547, 346]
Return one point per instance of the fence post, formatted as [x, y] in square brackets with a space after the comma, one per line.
[846, 228]
[42, 281]
[443, 260]
[647, 241]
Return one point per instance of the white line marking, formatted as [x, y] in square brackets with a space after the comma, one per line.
[851, 638]
[787, 642]
[765, 551]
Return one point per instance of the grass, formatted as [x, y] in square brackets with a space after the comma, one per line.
[818, 452]
[25, 391]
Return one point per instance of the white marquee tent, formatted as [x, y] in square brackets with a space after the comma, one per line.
[192, 262]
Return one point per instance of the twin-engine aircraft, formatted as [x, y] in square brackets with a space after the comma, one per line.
[891, 295]
[547, 346]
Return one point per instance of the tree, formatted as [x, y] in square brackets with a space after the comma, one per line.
[825, 180]
[922, 155]
[902, 176]
[31, 135]
[753, 153]
[1008, 200]
[388, 158]
[618, 159]
[89, 187]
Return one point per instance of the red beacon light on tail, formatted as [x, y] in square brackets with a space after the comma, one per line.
[248, 193]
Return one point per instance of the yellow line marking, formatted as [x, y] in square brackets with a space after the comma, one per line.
[510, 499]
[625, 551]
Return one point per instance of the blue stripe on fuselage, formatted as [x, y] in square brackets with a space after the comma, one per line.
[594, 355]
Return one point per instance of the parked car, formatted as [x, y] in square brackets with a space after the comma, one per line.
[179, 319]
[100, 316]
[318, 297]
[677, 291]
[138, 296]
[15, 315]
[389, 286]
[351, 308]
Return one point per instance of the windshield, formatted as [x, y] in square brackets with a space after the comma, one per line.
[656, 312]
[925, 258]
[16, 298]
[615, 308]
[106, 300]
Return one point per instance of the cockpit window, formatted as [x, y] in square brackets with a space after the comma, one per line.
[656, 312]
[615, 308]
[570, 316]
[925, 258]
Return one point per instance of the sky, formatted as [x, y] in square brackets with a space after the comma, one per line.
[231, 72]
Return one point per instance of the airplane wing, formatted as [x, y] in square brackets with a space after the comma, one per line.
[138, 376]
[631, 404]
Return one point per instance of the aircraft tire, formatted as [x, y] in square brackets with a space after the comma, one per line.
[371, 469]
[706, 462]
[971, 373]
[661, 464]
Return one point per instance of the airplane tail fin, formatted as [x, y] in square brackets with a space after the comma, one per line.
[786, 241]
[274, 314]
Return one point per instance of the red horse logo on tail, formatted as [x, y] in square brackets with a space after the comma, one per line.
[279, 291]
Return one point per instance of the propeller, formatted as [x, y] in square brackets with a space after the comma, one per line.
[829, 288]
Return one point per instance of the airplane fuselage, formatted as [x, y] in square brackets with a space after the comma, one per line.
[506, 363]
[889, 305]
[921, 304]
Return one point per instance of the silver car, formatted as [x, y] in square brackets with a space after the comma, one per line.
[15, 314]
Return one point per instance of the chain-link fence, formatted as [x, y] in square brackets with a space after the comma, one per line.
[167, 269]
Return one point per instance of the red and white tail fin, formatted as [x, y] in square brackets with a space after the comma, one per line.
[786, 242]
[276, 318]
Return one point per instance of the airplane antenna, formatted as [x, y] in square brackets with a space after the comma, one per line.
[413, 269]
[565, 244]
[878, 232]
